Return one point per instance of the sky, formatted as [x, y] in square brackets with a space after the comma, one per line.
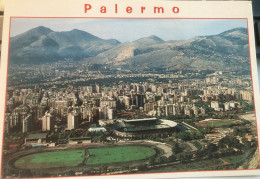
[131, 29]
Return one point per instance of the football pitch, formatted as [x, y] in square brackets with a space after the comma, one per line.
[72, 158]
[119, 154]
[220, 123]
[67, 158]
[217, 123]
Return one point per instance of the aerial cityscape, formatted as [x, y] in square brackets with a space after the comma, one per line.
[78, 104]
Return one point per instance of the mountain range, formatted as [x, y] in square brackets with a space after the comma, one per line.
[39, 45]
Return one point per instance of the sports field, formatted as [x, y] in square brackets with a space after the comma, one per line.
[67, 158]
[72, 158]
[119, 154]
[217, 123]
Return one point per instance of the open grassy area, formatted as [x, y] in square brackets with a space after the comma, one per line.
[72, 158]
[119, 154]
[234, 159]
[241, 160]
[209, 164]
[66, 158]
[220, 123]
[217, 123]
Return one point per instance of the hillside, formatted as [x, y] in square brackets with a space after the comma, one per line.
[227, 50]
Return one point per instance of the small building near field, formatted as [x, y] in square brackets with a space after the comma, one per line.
[80, 140]
[39, 138]
[97, 129]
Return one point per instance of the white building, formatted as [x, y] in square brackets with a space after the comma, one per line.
[26, 123]
[47, 122]
[72, 121]
[97, 129]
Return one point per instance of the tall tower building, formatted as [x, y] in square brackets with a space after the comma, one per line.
[26, 123]
[127, 102]
[47, 122]
[97, 88]
[139, 99]
[72, 121]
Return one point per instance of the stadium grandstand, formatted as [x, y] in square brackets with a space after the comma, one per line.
[135, 127]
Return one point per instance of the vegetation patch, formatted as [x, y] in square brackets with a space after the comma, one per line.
[65, 158]
[119, 154]
[217, 123]
[234, 159]
[72, 158]
[197, 145]
[209, 164]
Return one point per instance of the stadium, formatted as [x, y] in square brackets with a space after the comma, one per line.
[85, 158]
[135, 127]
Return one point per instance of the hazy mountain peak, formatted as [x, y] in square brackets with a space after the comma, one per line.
[27, 38]
[150, 40]
[113, 41]
[154, 37]
[78, 31]
[75, 34]
[237, 30]
[40, 30]
[41, 45]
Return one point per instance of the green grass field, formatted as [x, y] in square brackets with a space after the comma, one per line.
[237, 160]
[197, 165]
[71, 158]
[65, 158]
[234, 159]
[119, 154]
[220, 123]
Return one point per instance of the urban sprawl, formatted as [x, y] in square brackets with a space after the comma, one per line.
[193, 119]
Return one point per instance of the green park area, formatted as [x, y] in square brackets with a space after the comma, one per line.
[119, 154]
[209, 164]
[72, 158]
[217, 123]
[220, 123]
[64, 158]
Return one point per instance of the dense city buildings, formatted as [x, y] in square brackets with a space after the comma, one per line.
[188, 111]
[72, 106]
[175, 112]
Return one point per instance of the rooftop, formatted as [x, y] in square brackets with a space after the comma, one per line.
[139, 120]
[37, 136]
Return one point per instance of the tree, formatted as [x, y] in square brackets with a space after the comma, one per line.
[176, 148]
[71, 173]
[142, 167]
[152, 161]
[210, 149]
[196, 135]
[184, 136]
[229, 141]
[103, 168]
[185, 158]
[247, 145]
[172, 158]
[102, 138]
[241, 131]
[199, 154]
